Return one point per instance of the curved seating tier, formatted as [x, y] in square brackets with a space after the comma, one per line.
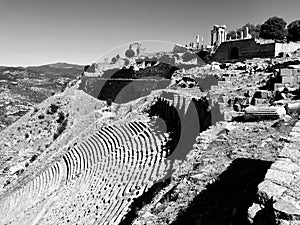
[94, 183]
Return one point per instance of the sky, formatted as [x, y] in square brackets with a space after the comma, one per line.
[36, 32]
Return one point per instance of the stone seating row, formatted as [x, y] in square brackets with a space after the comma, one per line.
[110, 169]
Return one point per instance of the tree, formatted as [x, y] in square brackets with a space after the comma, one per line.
[294, 31]
[231, 35]
[254, 30]
[239, 32]
[273, 28]
[129, 53]
[126, 63]
[114, 60]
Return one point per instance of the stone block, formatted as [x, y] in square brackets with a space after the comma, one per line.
[289, 80]
[221, 83]
[294, 107]
[259, 101]
[296, 129]
[264, 112]
[228, 84]
[280, 177]
[277, 86]
[286, 72]
[268, 189]
[287, 207]
[296, 72]
[286, 165]
[214, 87]
[252, 210]
[292, 152]
[233, 78]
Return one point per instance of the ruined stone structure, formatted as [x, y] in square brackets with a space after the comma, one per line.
[246, 47]
[251, 48]
[243, 49]
[97, 180]
[218, 35]
[78, 160]
[290, 77]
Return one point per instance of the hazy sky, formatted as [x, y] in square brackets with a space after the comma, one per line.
[35, 32]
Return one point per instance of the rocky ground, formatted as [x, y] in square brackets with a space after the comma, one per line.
[217, 182]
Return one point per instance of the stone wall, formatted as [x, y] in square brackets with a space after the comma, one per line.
[245, 49]
[286, 47]
[121, 90]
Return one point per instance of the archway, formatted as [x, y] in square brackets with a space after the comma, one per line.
[234, 53]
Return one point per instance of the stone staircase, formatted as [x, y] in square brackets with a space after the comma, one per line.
[282, 181]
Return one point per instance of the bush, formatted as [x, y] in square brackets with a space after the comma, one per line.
[53, 109]
[114, 60]
[254, 30]
[231, 35]
[41, 116]
[33, 158]
[61, 117]
[60, 129]
[63, 122]
[294, 31]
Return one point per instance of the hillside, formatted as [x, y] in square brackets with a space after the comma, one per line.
[22, 88]
[191, 152]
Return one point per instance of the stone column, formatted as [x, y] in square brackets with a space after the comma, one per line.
[197, 39]
[247, 32]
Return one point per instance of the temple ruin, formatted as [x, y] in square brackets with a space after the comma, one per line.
[218, 35]
[245, 47]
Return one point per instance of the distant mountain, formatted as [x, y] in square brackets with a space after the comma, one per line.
[58, 69]
[23, 87]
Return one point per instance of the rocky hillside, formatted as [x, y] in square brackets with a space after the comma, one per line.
[192, 152]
